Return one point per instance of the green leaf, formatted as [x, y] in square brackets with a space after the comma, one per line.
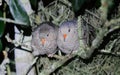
[0, 45]
[34, 4]
[18, 12]
[2, 25]
[77, 4]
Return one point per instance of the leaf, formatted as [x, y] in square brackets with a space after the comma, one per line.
[34, 4]
[77, 4]
[0, 45]
[18, 12]
[2, 25]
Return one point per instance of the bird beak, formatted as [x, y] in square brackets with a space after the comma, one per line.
[64, 36]
[43, 41]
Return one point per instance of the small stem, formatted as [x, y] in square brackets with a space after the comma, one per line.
[12, 21]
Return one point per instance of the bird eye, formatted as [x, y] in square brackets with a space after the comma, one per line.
[47, 34]
[68, 30]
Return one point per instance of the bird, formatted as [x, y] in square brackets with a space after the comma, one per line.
[44, 39]
[68, 39]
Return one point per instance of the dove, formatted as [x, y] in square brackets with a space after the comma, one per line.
[68, 41]
[44, 39]
[68, 38]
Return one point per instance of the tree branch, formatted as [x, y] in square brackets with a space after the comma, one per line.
[12, 21]
[102, 33]
[56, 65]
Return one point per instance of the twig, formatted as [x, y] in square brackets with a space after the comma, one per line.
[55, 66]
[85, 20]
[110, 53]
[58, 57]
[109, 50]
[31, 66]
[18, 43]
[99, 38]
[12, 21]
[92, 14]
[113, 21]
[6, 62]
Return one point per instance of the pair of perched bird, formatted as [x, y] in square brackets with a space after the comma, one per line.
[47, 37]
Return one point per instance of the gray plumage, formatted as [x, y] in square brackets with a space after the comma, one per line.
[44, 39]
[70, 42]
[68, 37]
